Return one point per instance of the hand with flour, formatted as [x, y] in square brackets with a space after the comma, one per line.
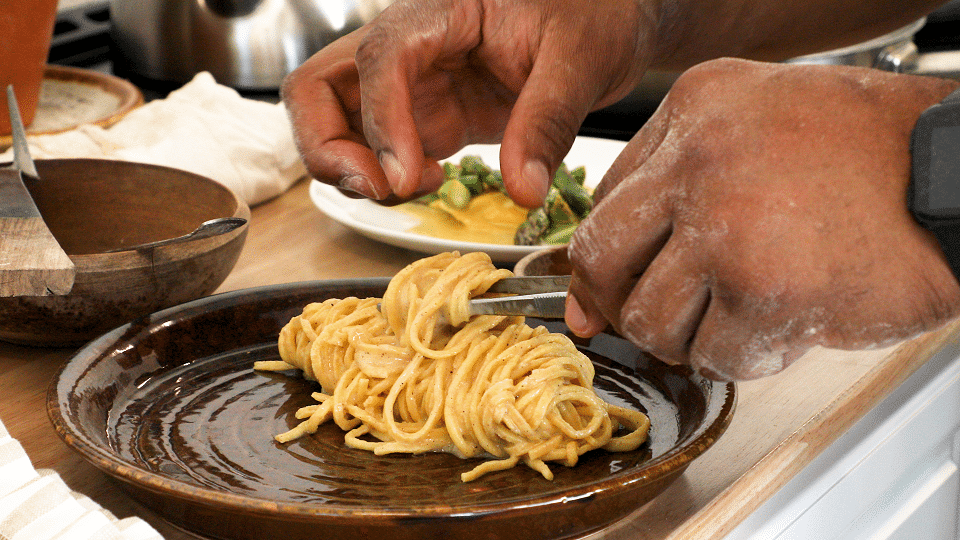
[762, 211]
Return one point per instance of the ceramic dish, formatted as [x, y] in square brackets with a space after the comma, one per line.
[70, 97]
[170, 406]
[392, 226]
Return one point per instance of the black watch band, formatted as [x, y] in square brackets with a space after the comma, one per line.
[934, 194]
[953, 97]
[948, 236]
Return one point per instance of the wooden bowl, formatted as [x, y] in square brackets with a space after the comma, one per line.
[550, 261]
[93, 206]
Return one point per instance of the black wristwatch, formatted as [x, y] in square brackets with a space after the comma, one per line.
[934, 195]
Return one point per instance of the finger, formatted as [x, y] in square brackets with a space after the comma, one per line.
[613, 246]
[723, 351]
[390, 63]
[392, 133]
[737, 343]
[570, 75]
[581, 316]
[541, 129]
[322, 98]
[662, 313]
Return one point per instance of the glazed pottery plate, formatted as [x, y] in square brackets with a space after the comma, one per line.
[392, 226]
[71, 97]
[170, 406]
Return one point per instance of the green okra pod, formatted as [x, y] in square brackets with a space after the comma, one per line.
[495, 181]
[451, 171]
[473, 183]
[528, 233]
[558, 235]
[455, 194]
[474, 165]
[579, 175]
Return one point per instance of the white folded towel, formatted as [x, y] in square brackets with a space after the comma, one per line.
[38, 505]
[205, 128]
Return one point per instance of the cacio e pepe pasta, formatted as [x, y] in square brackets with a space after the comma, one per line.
[419, 374]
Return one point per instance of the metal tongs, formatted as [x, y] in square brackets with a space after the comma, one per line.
[534, 296]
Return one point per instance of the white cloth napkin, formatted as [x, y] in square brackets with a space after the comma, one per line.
[203, 127]
[38, 505]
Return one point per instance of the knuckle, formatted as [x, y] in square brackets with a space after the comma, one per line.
[582, 245]
[650, 322]
[387, 35]
[711, 84]
[288, 85]
[723, 366]
[368, 49]
[695, 77]
[635, 327]
[590, 254]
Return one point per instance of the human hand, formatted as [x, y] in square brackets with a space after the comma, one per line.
[760, 212]
[374, 111]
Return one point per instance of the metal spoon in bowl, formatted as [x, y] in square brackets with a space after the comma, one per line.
[206, 229]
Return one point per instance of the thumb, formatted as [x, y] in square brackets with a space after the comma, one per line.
[542, 127]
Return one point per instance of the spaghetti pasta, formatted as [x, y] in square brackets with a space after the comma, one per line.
[419, 374]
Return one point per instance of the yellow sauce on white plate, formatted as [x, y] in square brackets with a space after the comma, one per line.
[489, 218]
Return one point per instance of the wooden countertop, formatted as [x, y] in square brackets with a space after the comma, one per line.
[781, 423]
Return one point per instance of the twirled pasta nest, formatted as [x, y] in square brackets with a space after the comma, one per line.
[413, 372]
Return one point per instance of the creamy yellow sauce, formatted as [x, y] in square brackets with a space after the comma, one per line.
[489, 218]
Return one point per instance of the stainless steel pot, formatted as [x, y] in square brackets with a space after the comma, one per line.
[894, 52]
[248, 44]
[253, 44]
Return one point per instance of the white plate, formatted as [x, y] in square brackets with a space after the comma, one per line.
[392, 226]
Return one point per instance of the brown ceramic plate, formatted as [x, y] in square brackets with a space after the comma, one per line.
[170, 406]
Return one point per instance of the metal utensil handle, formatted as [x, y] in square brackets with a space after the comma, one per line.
[211, 227]
[21, 152]
[531, 284]
[545, 305]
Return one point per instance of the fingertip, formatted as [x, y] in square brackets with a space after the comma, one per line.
[535, 181]
[577, 320]
[430, 181]
[359, 184]
[574, 316]
[405, 185]
[365, 186]
[396, 175]
[529, 188]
